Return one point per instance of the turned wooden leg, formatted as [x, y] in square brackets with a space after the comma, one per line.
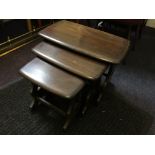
[67, 122]
[109, 75]
[34, 95]
[91, 94]
[87, 102]
[33, 104]
[71, 112]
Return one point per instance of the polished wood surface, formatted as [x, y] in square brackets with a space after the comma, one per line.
[88, 41]
[51, 78]
[77, 64]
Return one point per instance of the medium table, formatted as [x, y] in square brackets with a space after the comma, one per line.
[82, 66]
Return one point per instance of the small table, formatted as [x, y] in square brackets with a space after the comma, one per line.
[51, 79]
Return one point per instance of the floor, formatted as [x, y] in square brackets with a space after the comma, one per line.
[12, 62]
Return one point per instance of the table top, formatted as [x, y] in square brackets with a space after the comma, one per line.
[85, 40]
[51, 78]
[73, 62]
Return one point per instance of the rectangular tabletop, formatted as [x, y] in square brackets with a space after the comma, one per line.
[95, 43]
[77, 64]
[51, 78]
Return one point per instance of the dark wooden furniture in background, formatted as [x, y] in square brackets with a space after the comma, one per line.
[138, 24]
[127, 28]
[15, 33]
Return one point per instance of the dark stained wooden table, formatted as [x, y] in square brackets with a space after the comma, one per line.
[66, 59]
[85, 40]
[82, 46]
[51, 78]
[46, 77]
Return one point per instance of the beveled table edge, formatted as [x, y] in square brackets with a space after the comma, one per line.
[77, 49]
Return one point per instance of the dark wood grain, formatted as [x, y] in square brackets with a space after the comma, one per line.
[51, 78]
[86, 40]
[77, 64]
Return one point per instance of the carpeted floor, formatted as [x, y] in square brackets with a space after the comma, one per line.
[12, 62]
[128, 105]
[113, 116]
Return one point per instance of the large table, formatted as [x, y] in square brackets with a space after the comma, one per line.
[85, 40]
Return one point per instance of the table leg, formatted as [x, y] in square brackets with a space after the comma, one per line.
[34, 95]
[109, 75]
[107, 80]
[91, 94]
[73, 109]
